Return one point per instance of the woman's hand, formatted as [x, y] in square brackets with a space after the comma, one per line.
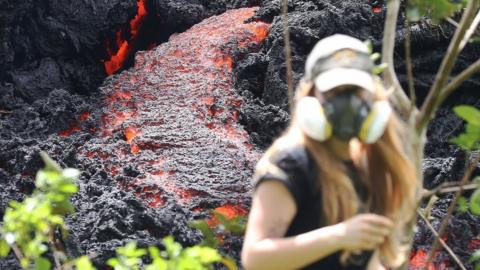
[364, 232]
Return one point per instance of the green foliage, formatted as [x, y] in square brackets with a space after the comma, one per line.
[30, 224]
[236, 225]
[434, 9]
[462, 205]
[475, 202]
[470, 139]
[83, 263]
[224, 225]
[128, 257]
[375, 56]
[174, 257]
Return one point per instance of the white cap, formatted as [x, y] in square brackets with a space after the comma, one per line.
[340, 60]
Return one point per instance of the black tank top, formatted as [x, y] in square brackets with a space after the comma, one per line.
[295, 168]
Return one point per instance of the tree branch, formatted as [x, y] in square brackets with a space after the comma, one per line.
[447, 188]
[431, 103]
[408, 61]
[399, 99]
[458, 80]
[470, 30]
[444, 245]
[451, 208]
[288, 54]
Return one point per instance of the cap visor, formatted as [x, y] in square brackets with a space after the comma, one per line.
[336, 77]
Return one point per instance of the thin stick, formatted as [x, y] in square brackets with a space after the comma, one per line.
[431, 103]
[288, 54]
[17, 252]
[451, 208]
[442, 189]
[56, 253]
[399, 98]
[470, 30]
[458, 80]
[408, 59]
[444, 245]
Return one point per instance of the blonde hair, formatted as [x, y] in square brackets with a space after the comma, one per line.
[391, 179]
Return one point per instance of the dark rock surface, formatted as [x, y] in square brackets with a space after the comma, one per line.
[51, 52]
[158, 146]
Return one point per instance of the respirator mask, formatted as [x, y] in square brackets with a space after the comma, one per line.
[340, 68]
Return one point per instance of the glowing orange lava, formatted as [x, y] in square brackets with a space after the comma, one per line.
[188, 78]
[418, 261]
[73, 127]
[131, 133]
[229, 211]
[118, 58]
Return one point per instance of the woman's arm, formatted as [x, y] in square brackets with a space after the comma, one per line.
[272, 211]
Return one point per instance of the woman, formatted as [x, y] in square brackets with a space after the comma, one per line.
[336, 190]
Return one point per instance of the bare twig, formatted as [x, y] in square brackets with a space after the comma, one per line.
[444, 245]
[56, 252]
[5, 111]
[458, 80]
[17, 252]
[288, 54]
[452, 22]
[408, 60]
[431, 103]
[447, 188]
[451, 208]
[470, 30]
[399, 98]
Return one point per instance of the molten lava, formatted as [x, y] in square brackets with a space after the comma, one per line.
[173, 118]
[124, 46]
[418, 261]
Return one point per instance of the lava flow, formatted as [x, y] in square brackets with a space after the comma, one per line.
[172, 119]
[124, 48]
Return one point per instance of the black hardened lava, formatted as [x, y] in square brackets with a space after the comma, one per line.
[52, 56]
[158, 145]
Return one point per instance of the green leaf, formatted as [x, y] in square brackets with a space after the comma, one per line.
[42, 264]
[154, 252]
[50, 164]
[413, 14]
[369, 45]
[206, 255]
[375, 56]
[84, 263]
[475, 256]
[208, 233]
[68, 188]
[157, 264]
[113, 262]
[379, 68]
[468, 113]
[4, 248]
[475, 202]
[229, 263]
[462, 205]
[173, 248]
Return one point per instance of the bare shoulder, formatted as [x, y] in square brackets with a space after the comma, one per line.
[273, 209]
